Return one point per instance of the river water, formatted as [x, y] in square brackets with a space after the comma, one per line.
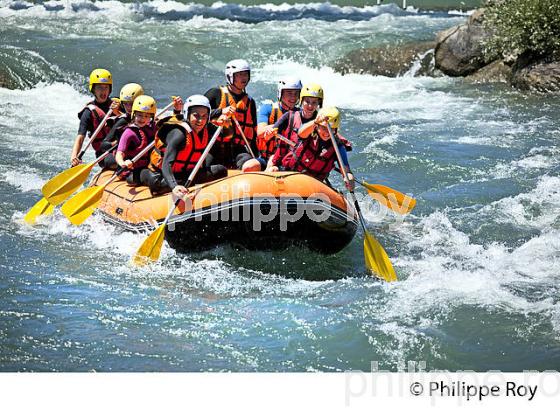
[478, 259]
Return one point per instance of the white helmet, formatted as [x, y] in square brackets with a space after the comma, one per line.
[236, 66]
[196, 100]
[288, 83]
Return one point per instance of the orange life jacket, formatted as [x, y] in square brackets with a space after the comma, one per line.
[243, 115]
[267, 148]
[188, 157]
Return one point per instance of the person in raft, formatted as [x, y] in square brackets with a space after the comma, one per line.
[127, 95]
[269, 113]
[311, 99]
[179, 146]
[232, 99]
[314, 154]
[100, 85]
[135, 137]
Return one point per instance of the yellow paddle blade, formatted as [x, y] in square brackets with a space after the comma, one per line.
[78, 208]
[391, 198]
[60, 187]
[42, 207]
[151, 248]
[377, 260]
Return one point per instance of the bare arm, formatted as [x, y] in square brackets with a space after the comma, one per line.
[74, 160]
[306, 130]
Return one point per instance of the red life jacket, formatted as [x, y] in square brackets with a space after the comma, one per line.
[291, 132]
[144, 141]
[313, 156]
[243, 115]
[188, 157]
[97, 115]
[267, 148]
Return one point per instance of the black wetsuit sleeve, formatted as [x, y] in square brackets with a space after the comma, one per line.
[215, 114]
[214, 95]
[175, 143]
[85, 123]
[114, 134]
[211, 129]
[282, 122]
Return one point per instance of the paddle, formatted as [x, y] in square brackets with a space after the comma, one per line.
[67, 182]
[244, 137]
[391, 198]
[60, 187]
[248, 147]
[78, 208]
[97, 131]
[282, 138]
[42, 207]
[150, 249]
[376, 258]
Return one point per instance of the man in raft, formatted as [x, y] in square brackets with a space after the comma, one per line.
[269, 113]
[233, 100]
[179, 146]
[135, 137]
[311, 99]
[100, 85]
[315, 154]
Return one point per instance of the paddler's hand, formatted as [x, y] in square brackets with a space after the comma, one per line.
[177, 104]
[321, 119]
[269, 132]
[180, 191]
[223, 121]
[273, 168]
[128, 164]
[75, 160]
[228, 111]
[351, 183]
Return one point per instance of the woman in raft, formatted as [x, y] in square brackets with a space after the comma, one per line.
[135, 137]
[180, 142]
[127, 95]
[314, 154]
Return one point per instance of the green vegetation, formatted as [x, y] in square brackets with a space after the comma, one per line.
[523, 25]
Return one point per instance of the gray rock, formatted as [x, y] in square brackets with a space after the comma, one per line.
[542, 75]
[390, 61]
[495, 72]
[459, 50]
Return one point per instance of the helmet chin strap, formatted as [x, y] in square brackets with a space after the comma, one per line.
[235, 89]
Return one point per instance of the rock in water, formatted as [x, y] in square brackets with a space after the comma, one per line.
[541, 75]
[390, 61]
[459, 50]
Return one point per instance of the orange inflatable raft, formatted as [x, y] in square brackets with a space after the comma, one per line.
[255, 210]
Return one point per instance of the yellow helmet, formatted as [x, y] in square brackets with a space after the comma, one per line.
[144, 103]
[312, 90]
[100, 76]
[130, 91]
[333, 115]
